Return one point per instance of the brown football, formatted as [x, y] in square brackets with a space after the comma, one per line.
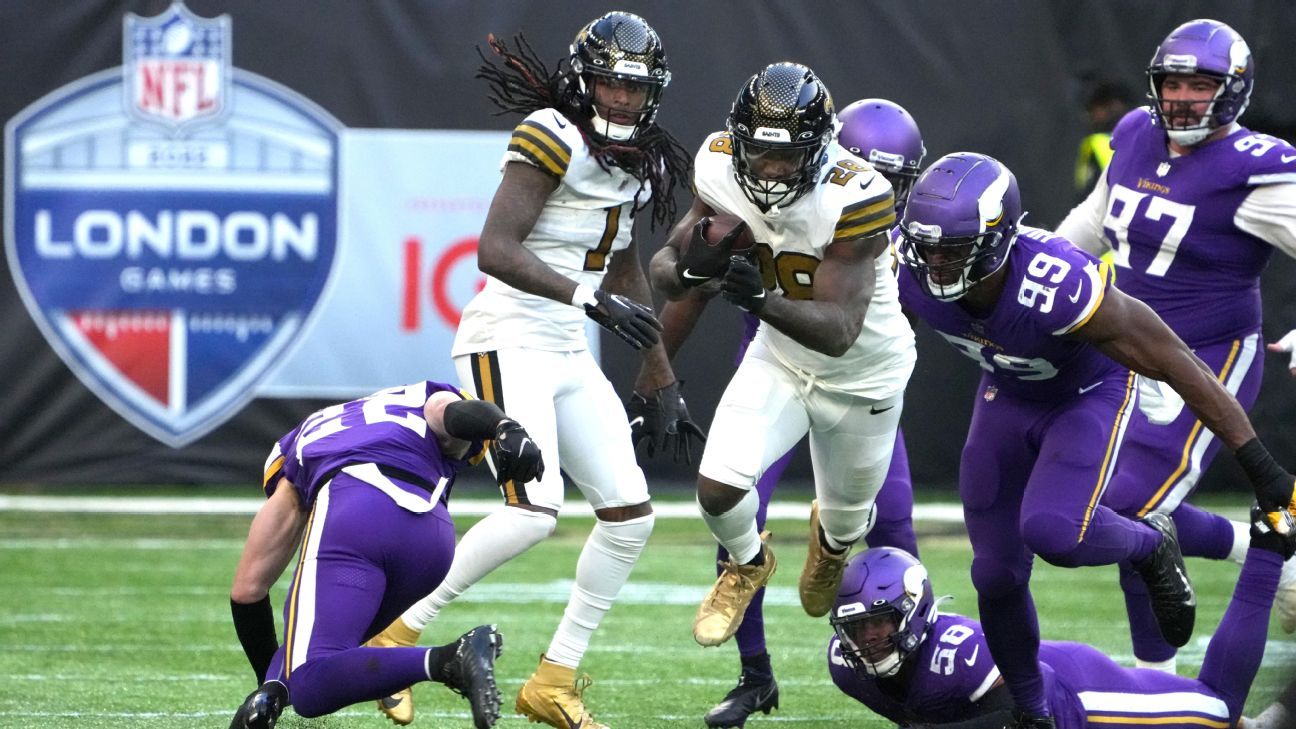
[716, 226]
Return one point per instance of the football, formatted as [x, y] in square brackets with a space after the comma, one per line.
[717, 226]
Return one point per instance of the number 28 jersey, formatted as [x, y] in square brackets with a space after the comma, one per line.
[850, 200]
[585, 221]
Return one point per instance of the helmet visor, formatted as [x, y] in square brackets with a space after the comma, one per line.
[868, 639]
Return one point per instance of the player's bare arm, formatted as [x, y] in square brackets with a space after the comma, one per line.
[1126, 330]
[513, 213]
[272, 541]
[661, 270]
[843, 286]
[625, 276]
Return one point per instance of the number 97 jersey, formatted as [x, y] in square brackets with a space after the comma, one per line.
[849, 201]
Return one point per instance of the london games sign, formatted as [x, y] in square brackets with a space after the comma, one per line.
[172, 223]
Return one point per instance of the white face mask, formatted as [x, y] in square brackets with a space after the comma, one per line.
[1188, 137]
[618, 132]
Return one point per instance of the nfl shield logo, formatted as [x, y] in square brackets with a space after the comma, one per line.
[171, 254]
[177, 67]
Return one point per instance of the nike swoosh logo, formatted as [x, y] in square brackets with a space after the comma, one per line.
[390, 702]
[1288, 158]
[874, 411]
[636, 422]
[691, 276]
[559, 121]
[972, 658]
[1087, 388]
[1076, 297]
[567, 717]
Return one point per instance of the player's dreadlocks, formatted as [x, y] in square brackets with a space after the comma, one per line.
[522, 83]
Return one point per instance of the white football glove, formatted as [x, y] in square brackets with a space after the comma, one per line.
[1286, 344]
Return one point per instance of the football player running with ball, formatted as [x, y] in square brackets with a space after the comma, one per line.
[557, 247]
[833, 352]
[885, 135]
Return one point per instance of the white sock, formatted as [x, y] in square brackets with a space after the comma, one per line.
[491, 542]
[1166, 666]
[1287, 578]
[1241, 542]
[609, 554]
[844, 527]
[735, 529]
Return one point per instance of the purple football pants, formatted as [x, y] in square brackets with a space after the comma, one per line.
[1031, 478]
[1158, 470]
[363, 561]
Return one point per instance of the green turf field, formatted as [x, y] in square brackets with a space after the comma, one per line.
[123, 621]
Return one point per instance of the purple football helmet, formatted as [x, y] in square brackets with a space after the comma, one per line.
[884, 609]
[883, 133]
[959, 223]
[1208, 48]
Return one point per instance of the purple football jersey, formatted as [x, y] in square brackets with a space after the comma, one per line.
[386, 429]
[1051, 289]
[1170, 223]
[951, 671]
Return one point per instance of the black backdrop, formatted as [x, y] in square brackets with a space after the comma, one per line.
[1003, 77]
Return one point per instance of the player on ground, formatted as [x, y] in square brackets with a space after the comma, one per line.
[885, 134]
[1193, 204]
[365, 485]
[1054, 337]
[557, 246]
[894, 653]
[833, 352]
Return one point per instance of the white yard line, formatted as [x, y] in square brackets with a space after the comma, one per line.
[799, 510]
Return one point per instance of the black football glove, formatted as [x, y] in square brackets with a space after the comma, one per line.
[517, 458]
[742, 285]
[663, 422]
[645, 417]
[702, 261]
[681, 431]
[626, 318]
[1275, 488]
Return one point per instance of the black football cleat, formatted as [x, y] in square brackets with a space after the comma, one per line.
[471, 673]
[752, 694]
[1022, 720]
[261, 709]
[1173, 602]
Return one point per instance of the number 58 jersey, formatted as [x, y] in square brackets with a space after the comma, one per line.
[584, 222]
[850, 200]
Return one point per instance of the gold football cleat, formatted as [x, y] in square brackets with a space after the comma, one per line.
[553, 696]
[399, 707]
[822, 574]
[721, 611]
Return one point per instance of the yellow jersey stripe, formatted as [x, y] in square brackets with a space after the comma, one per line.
[541, 147]
[1105, 473]
[881, 221]
[1154, 720]
[291, 626]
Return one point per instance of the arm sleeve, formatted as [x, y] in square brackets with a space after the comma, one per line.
[994, 711]
[1269, 213]
[1083, 225]
[472, 419]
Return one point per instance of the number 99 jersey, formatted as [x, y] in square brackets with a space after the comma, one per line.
[850, 201]
[583, 223]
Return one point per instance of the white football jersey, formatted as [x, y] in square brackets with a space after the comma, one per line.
[851, 200]
[583, 223]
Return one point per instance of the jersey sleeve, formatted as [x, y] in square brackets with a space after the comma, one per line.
[279, 463]
[538, 141]
[711, 168]
[873, 212]
[1061, 285]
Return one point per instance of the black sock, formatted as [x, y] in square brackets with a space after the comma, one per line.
[254, 623]
[758, 666]
[759, 559]
[438, 657]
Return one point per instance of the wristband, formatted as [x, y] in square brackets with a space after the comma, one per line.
[583, 296]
